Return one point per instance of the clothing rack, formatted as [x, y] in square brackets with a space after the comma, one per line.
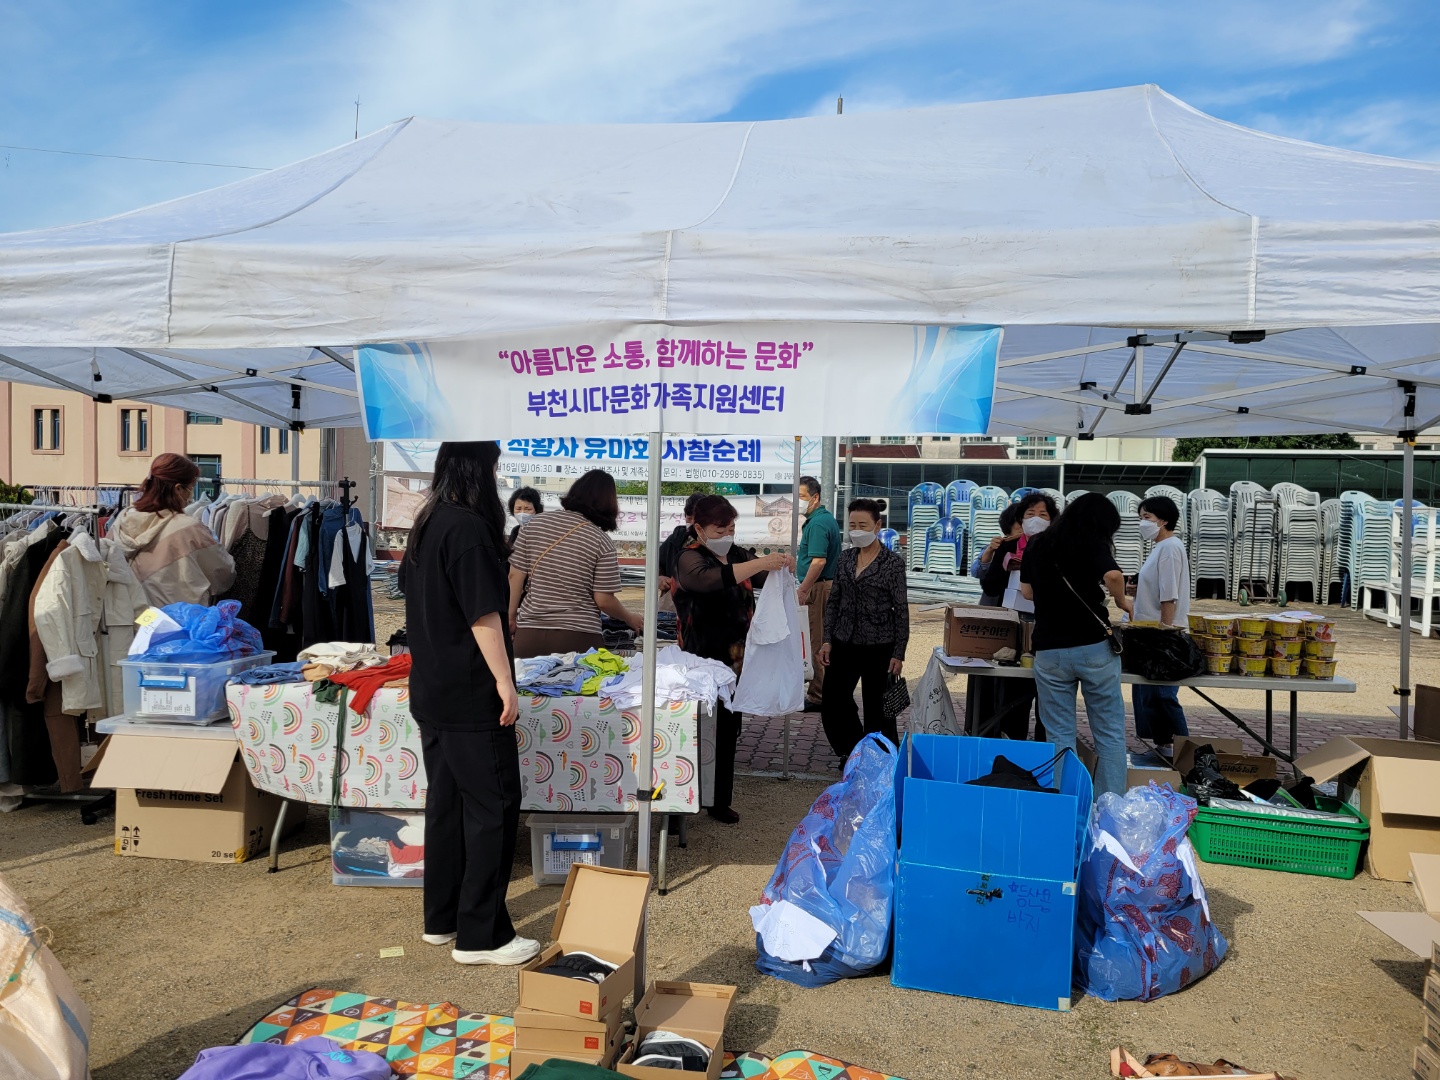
[252, 481]
[58, 509]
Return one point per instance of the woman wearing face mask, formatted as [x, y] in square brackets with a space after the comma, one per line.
[1162, 595]
[1014, 698]
[523, 506]
[867, 626]
[715, 585]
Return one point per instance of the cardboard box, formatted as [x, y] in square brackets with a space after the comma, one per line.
[1427, 1063]
[1418, 931]
[1395, 783]
[187, 798]
[1431, 1032]
[602, 912]
[1237, 765]
[1425, 723]
[695, 1010]
[1432, 993]
[980, 632]
[1140, 768]
[536, 1030]
[520, 1060]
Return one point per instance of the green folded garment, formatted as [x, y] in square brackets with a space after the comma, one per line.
[605, 664]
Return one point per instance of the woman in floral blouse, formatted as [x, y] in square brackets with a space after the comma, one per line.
[867, 626]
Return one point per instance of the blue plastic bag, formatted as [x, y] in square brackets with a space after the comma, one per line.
[207, 635]
[1144, 923]
[839, 866]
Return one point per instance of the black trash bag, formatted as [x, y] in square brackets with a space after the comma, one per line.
[1263, 789]
[1303, 792]
[1205, 781]
[1006, 774]
[1160, 655]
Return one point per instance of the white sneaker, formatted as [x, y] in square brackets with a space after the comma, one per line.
[519, 951]
[437, 939]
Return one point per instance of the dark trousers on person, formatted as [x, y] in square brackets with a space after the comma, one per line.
[1158, 714]
[868, 665]
[727, 738]
[472, 812]
[531, 642]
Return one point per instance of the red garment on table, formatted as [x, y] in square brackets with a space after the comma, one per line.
[363, 682]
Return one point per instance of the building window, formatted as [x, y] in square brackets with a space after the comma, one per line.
[894, 440]
[48, 431]
[284, 440]
[134, 431]
[209, 466]
[265, 440]
[202, 418]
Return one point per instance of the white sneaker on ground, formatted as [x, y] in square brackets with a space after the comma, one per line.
[437, 939]
[519, 951]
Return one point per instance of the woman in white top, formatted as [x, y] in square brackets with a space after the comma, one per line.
[1162, 595]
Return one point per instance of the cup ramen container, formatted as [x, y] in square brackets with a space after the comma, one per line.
[1252, 646]
[1220, 625]
[1217, 646]
[1197, 624]
[1218, 665]
[1284, 669]
[1285, 629]
[1285, 650]
[1320, 669]
[1027, 660]
[1320, 650]
[1319, 630]
[1251, 628]
[1254, 666]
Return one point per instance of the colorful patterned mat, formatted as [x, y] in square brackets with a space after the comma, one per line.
[439, 1042]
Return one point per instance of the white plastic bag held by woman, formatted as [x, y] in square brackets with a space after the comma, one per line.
[772, 680]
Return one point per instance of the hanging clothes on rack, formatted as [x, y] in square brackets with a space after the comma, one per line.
[27, 739]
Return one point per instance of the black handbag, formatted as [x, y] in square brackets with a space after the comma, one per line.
[897, 697]
[1160, 654]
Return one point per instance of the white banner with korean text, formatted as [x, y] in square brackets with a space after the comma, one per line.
[742, 379]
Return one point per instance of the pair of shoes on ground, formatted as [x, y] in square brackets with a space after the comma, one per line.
[520, 950]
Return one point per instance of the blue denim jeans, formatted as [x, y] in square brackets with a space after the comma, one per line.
[1158, 715]
[1059, 673]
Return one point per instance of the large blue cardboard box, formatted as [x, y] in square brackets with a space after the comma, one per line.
[985, 894]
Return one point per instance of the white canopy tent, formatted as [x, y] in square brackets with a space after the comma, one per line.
[1055, 217]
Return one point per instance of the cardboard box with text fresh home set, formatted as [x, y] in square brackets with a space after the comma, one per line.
[980, 632]
[696, 1011]
[186, 798]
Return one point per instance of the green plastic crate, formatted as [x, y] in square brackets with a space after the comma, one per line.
[1324, 849]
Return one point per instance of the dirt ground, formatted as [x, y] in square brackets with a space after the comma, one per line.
[174, 957]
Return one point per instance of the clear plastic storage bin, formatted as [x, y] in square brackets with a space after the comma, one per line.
[557, 840]
[185, 693]
[378, 847]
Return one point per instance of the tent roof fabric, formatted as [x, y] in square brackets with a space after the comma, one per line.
[1114, 208]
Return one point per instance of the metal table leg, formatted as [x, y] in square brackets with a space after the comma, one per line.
[664, 836]
[1294, 725]
[684, 830]
[275, 837]
[1270, 719]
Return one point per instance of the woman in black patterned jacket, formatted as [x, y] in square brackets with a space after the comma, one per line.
[867, 626]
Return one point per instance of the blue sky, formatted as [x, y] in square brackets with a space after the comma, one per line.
[264, 82]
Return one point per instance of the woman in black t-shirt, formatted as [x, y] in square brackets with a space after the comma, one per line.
[462, 694]
[1066, 572]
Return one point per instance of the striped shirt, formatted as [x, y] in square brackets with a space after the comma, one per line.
[568, 560]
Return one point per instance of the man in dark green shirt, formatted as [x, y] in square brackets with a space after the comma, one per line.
[815, 566]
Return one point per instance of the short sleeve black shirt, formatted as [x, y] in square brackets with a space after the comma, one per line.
[1063, 619]
[454, 579]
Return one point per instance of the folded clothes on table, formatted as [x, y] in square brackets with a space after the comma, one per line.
[603, 664]
[270, 674]
[324, 659]
[679, 676]
[363, 682]
[564, 681]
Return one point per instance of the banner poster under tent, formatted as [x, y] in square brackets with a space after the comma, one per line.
[743, 379]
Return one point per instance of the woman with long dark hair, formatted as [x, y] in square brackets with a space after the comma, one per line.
[462, 693]
[564, 572]
[176, 558]
[715, 584]
[1066, 573]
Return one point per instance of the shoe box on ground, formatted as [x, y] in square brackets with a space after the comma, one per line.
[1237, 765]
[602, 911]
[694, 1010]
[1140, 768]
[980, 632]
[520, 1060]
[1395, 783]
[536, 1030]
[187, 798]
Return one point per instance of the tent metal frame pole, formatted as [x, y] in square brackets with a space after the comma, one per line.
[228, 395]
[1407, 544]
[295, 432]
[785, 773]
[646, 750]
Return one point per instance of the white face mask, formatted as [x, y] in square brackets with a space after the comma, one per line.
[1149, 529]
[720, 545]
[1034, 526]
[861, 539]
[521, 517]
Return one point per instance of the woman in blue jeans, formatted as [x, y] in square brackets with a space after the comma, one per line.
[1066, 572]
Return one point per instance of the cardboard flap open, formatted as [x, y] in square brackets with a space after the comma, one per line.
[602, 908]
[1406, 785]
[679, 1006]
[1425, 873]
[160, 763]
[1329, 761]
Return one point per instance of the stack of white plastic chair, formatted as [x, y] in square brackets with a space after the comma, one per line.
[1254, 514]
[1180, 500]
[1020, 493]
[957, 499]
[1330, 568]
[1208, 515]
[985, 508]
[945, 549]
[1070, 498]
[890, 538]
[1301, 536]
[1365, 542]
[1129, 548]
[1055, 495]
[926, 501]
[1424, 571]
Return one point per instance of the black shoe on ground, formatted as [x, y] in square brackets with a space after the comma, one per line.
[724, 815]
[811, 706]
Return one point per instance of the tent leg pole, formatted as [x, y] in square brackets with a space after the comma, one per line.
[794, 549]
[295, 435]
[1407, 543]
[644, 773]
